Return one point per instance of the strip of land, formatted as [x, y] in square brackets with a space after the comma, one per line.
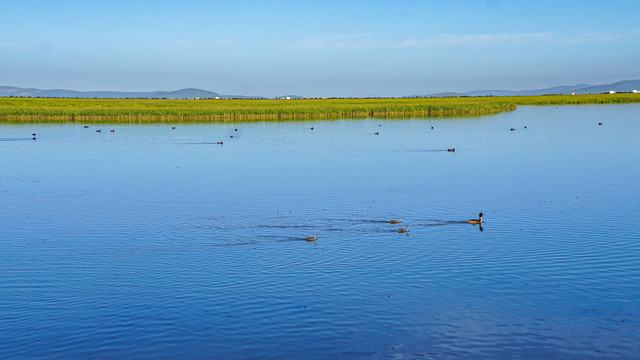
[55, 110]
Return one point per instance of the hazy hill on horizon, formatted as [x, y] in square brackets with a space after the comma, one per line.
[191, 93]
[620, 86]
[60, 93]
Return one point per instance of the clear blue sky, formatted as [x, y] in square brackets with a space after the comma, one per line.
[317, 48]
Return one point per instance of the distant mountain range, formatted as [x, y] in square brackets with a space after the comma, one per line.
[61, 93]
[6, 91]
[620, 86]
[178, 94]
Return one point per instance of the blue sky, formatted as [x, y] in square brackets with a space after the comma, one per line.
[317, 48]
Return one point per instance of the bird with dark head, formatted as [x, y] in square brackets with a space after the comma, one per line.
[476, 221]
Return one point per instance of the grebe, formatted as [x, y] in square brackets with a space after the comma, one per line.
[311, 238]
[395, 221]
[406, 230]
[476, 221]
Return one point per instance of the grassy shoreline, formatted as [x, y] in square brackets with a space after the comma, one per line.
[42, 110]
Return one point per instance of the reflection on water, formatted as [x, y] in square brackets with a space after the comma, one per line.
[153, 242]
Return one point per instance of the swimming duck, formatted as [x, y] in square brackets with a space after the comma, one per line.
[34, 134]
[405, 230]
[395, 221]
[376, 133]
[451, 150]
[86, 126]
[112, 130]
[476, 221]
[311, 238]
[98, 130]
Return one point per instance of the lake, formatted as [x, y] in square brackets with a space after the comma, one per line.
[153, 242]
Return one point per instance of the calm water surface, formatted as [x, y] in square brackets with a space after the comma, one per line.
[157, 243]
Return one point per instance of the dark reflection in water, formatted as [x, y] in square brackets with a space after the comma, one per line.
[149, 243]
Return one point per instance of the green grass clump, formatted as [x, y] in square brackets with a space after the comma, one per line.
[152, 110]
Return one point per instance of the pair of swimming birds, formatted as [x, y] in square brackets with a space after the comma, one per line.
[406, 230]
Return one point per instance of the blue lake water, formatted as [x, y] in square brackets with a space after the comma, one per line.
[152, 242]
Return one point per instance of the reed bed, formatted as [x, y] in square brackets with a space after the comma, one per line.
[170, 111]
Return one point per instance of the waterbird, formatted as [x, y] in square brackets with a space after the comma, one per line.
[525, 126]
[231, 136]
[112, 130]
[395, 221]
[33, 138]
[86, 126]
[173, 128]
[512, 129]
[476, 221]
[311, 128]
[405, 230]
[34, 134]
[376, 133]
[432, 128]
[220, 143]
[98, 130]
[311, 238]
[451, 150]
[599, 123]
[235, 130]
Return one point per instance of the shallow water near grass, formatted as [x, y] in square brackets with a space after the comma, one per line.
[153, 242]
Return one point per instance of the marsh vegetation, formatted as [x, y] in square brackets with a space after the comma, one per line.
[158, 110]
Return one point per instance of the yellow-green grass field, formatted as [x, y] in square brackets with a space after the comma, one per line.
[38, 110]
